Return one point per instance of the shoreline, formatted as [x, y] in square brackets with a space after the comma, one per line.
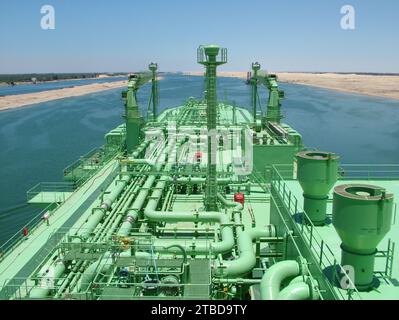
[383, 86]
[21, 100]
[27, 99]
[18, 83]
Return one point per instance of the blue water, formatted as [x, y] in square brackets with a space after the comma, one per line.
[39, 141]
[29, 88]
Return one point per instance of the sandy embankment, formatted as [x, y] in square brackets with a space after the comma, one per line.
[19, 100]
[386, 86]
[373, 85]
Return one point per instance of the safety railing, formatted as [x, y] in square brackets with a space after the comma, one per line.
[80, 170]
[290, 237]
[350, 171]
[50, 192]
[20, 288]
[369, 172]
[21, 234]
[306, 230]
[286, 171]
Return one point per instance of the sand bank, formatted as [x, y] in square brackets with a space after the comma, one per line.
[386, 86]
[19, 100]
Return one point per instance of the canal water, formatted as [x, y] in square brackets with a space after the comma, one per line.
[6, 90]
[37, 142]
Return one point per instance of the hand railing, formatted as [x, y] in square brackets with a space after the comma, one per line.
[56, 187]
[19, 236]
[369, 172]
[305, 229]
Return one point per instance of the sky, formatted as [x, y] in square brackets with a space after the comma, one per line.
[125, 35]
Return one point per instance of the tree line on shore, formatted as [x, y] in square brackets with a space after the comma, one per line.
[40, 77]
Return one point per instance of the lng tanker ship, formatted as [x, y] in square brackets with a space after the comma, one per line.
[208, 201]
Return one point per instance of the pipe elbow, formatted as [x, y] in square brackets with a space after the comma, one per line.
[150, 214]
[240, 266]
[227, 242]
[244, 263]
[295, 291]
[304, 289]
[271, 280]
[235, 205]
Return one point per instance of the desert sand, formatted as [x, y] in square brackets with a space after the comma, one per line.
[386, 86]
[19, 100]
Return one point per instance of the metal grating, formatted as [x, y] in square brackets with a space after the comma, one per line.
[199, 280]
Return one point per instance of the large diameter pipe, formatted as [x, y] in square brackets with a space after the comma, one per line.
[91, 271]
[141, 148]
[271, 280]
[246, 260]
[102, 265]
[98, 213]
[225, 245]
[300, 288]
[295, 291]
[48, 280]
[110, 198]
[134, 210]
[42, 291]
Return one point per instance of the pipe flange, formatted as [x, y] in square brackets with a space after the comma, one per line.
[303, 266]
[313, 288]
[272, 230]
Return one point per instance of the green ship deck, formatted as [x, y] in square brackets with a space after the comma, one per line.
[208, 201]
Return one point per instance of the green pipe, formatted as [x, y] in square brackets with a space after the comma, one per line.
[236, 281]
[115, 192]
[182, 250]
[246, 260]
[243, 264]
[150, 213]
[91, 271]
[133, 194]
[134, 210]
[224, 245]
[298, 279]
[108, 199]
[195, 180]
[271, 280]
[148, 162]
[295, 291]
[101, 266]
[141, 148]
[232, 204]
[73, 276]
[94, 219]
[300, 288]
[98, 213]
[43, 290]
[69, 278]
[120, 206]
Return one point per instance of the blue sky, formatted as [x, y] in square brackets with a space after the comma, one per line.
[124, 35]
